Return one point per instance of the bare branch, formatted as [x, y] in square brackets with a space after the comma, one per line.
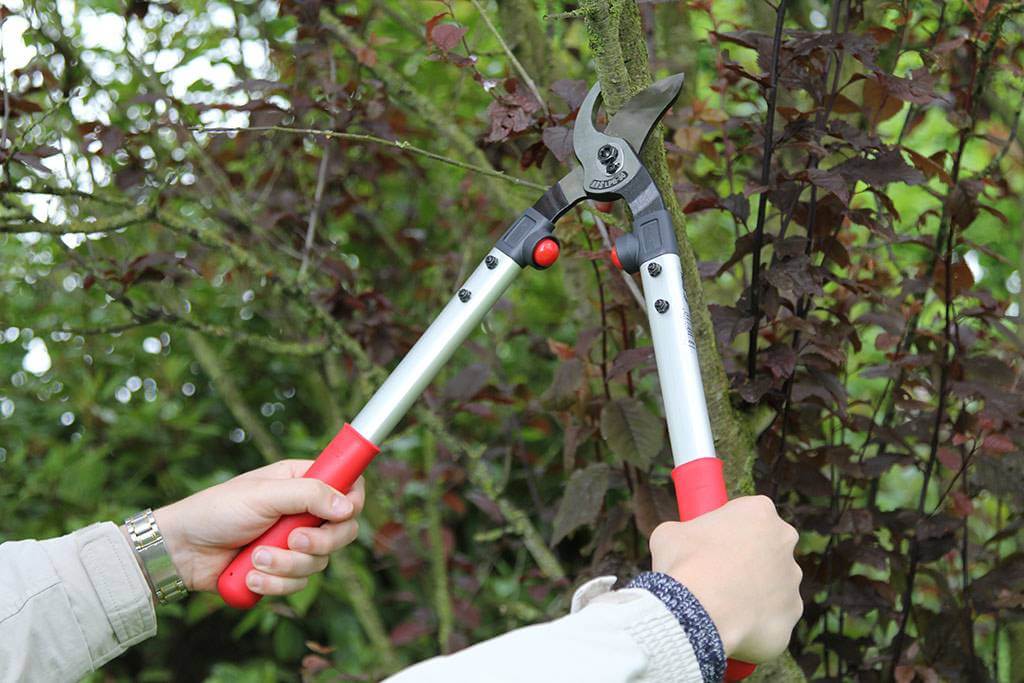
[630, 282]
[762, 206]
[359, 137]
[511, 57]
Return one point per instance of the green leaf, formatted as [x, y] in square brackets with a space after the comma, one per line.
[632, 432]
[567, 381]
[582, 500]
[289, 641]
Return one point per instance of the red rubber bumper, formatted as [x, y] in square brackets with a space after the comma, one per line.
[700, 488]
[339, 464]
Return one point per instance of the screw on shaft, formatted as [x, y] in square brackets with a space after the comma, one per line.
[491, 262]
[654, 269]
[661, 305]
[465, 295]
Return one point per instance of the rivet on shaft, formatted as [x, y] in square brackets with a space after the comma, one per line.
[654, 269]
[661, 305]
[465, 295]
[491, 262]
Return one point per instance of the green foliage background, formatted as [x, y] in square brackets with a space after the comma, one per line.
[196, 327]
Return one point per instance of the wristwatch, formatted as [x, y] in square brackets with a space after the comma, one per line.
[156, 563]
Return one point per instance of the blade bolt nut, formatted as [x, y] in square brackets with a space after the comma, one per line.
[655, 270]
[491, 262]
[465, 295]
[607, 154]
[661, 305]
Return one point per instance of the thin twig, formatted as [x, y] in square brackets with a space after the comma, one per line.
[435, 537]
[630, 282]
[762, 206]
[360, 137]
[314, 213]
[318, 194]
[511, 57]
[7, 100]
[573, 14]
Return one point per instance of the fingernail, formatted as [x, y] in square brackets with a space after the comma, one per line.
[254, 581]
[300, 542]
[341, 506]
[261, 558]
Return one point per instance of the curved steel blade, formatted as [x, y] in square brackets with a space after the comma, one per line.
[585, 137]
[638, 117]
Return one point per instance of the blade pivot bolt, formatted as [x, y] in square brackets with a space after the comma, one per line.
[607, 154]
[655, 270]
[661, 305]
[465, 295]
[491, 262]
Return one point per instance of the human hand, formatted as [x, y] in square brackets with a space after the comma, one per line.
[738, 562]
[205, 531]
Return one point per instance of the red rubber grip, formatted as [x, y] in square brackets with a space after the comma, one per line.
[700, 488]
[340, 464]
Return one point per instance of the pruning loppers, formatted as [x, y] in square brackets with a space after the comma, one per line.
[609, 169]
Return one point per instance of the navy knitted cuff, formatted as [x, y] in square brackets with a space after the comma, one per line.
[694, 619]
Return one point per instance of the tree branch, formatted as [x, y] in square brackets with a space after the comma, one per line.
[403, 91]
[511, 57]
[617, 40]
[398, 144]
[232, 397]
[438, 558]
[130, 217]
[762, 204]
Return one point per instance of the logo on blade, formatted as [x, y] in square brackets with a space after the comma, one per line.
[609, 182]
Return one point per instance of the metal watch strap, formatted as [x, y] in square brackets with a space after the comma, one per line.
[156, 562]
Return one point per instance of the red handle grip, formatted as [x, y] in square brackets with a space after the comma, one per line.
[340, 464]
[700, 488]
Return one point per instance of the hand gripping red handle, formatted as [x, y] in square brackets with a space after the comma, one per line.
[340, 464]
[700, 488]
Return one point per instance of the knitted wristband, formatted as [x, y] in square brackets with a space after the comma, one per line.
[694, 619]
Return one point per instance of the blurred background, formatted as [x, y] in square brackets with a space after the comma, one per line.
[181, 301]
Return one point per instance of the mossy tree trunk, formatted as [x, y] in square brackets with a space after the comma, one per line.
[619, 47]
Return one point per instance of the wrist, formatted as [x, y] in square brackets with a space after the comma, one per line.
[692, 616]
[716, 602]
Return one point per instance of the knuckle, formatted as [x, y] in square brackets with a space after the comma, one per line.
[320, 489]
[347, 533]
[663, 532]
[318, 544]
[796, 612]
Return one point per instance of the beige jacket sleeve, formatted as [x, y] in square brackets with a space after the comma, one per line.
[625, 636]
[68, 605]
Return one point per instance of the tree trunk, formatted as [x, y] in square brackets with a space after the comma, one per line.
[620, 53]
[619, 47]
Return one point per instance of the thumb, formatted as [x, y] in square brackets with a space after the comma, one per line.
[276, 498]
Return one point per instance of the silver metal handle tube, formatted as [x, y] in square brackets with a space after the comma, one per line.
[456, 321]
[675, 352]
